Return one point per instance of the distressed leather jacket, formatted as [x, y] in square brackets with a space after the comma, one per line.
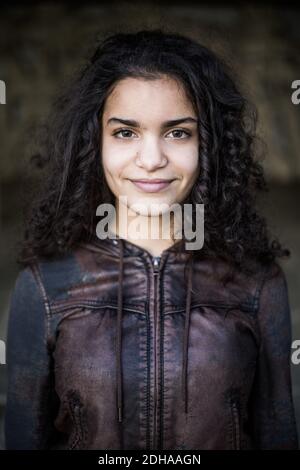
[109, 347]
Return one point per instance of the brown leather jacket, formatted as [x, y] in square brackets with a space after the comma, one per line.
[109, 348]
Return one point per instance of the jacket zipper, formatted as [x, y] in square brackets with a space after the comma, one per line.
[156, 264]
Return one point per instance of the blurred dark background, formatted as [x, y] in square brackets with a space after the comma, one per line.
[42, 44]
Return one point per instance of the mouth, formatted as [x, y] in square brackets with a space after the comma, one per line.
[152, 185]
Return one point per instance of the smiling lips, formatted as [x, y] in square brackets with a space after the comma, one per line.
[152, 185]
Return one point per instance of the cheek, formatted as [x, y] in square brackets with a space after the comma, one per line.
[187, 163]
[113, 163]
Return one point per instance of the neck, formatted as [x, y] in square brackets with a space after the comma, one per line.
[149, 232]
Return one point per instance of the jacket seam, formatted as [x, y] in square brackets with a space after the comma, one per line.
[256, 302]
[259, 287]
[37, 276]
[59, 308]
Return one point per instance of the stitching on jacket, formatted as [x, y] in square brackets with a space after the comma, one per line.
[260, 284]
[37, 276]
[248, 308]
[60, 307]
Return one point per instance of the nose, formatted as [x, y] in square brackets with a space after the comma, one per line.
[150, 155]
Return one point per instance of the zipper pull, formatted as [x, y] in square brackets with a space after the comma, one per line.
[156, 263]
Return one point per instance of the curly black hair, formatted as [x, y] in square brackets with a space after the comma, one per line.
[73, 184]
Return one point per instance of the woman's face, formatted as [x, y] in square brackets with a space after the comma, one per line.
[147, 146]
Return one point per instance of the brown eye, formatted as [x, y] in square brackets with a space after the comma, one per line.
[180, 131]
[122, 131]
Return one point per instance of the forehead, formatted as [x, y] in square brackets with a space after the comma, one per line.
[156, 97]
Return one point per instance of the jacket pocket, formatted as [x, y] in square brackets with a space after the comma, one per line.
[235, 425]
[78, 434]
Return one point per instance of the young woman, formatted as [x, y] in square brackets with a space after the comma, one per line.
[121, 342]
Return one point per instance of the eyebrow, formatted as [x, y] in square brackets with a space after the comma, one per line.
[166, 124]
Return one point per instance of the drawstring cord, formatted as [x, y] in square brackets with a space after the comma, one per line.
[119, 335]
[186, 335]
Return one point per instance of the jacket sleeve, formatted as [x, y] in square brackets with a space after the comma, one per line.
[30, 399]
[272, 412]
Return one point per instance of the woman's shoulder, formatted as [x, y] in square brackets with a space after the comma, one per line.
[55, 275]
[252, 285]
